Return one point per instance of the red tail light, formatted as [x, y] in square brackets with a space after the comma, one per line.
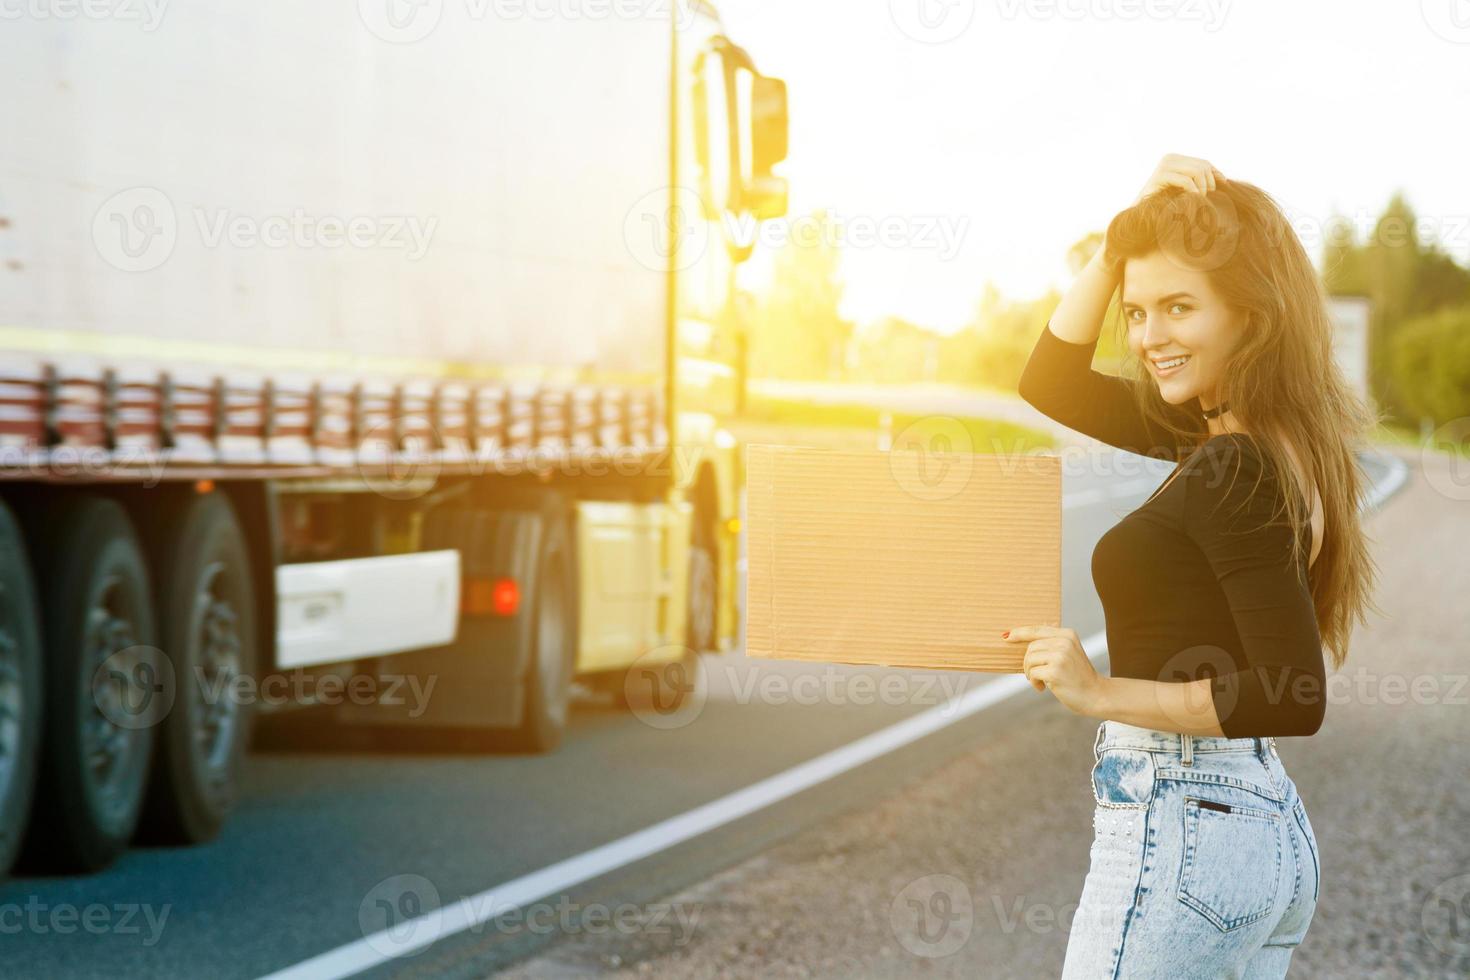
[490, 597]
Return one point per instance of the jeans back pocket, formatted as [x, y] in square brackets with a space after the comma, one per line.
[1232, 861]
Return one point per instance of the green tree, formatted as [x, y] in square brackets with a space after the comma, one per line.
[798, 331]
[1430, 357]
[1405, 280]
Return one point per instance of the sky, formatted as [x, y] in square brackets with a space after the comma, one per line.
[975, 140]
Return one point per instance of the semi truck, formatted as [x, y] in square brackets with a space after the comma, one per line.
[347, 342]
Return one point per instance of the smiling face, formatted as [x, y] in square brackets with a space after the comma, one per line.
[1173, 312]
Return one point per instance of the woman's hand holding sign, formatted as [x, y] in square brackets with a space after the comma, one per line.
[1056, 662]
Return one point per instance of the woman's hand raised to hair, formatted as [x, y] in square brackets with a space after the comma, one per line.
[1190, 173]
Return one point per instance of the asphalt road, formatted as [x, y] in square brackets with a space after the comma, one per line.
[325, 840]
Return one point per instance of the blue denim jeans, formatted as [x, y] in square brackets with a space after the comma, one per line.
[1203, 861]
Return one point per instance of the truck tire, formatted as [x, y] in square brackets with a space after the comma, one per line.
[96, 603]
[206, 616]
[703, 590]
[20, 688]
[552, 661]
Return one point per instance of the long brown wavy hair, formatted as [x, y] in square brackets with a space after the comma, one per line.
[1281, 381]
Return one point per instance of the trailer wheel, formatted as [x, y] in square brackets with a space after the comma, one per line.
[20, 688]
[548, 680]
[206, 612]
[96, 604]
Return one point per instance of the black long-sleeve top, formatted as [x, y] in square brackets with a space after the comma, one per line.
[1201, 579]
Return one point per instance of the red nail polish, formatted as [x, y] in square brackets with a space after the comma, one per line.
[1006, 633]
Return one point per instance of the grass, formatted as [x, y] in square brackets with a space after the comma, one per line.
[1398, 435]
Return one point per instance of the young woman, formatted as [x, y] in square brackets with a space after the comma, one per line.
[1220, 591]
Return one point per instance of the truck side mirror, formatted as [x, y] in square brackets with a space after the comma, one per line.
[765, 194]
[768, 122]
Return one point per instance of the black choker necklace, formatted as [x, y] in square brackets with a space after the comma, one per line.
[1212, 412]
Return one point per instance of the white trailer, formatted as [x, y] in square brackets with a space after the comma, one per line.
[339, 332]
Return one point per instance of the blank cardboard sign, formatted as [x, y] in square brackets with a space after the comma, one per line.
[902, 559]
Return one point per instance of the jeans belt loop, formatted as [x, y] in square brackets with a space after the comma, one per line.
[1097, 742]
[1186, 749]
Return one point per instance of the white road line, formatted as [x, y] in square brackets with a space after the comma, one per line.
[1081, 498]
[473, 911]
